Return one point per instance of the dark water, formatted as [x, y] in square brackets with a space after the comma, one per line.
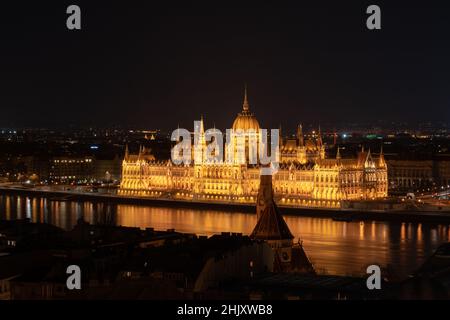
[334, 247]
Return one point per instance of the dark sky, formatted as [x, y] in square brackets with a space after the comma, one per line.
[158, 64]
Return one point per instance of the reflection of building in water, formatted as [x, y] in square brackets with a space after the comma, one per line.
[305, 178]
[272, 228]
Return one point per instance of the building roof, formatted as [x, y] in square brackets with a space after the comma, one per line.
[270, 225]
[187, 258]
[304, 281]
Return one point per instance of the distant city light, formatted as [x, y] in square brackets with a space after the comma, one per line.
[94, 147]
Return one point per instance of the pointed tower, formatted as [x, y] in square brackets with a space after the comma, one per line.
[202, 135]
[320, 145]
[319, 137]
[381, 160]
[199, 141]
[271, 225]
[361, 157]
[272, 228]
[245, 105]
[202, 126]
[126, 152]
[265, 194]
[300, 138]
[280, 137]
[338, 154]
[301, 149]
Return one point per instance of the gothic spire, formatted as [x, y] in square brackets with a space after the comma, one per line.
[245, 105]
[140, 152]
[280, 136]
[202, 126]
[126, 151]
[270, 224]
[319, 138]
[300, 135]
[382, 161]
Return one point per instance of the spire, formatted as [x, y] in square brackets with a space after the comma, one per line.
[202, 137]
[270, 224]
[271, 227]
[300, 135]
[126, 151]
[202, 127]
[381, 161]
[140, 152]
[338, 154]
[280, 135]
[299, 130]
[245, 105]
[319, 138]
[265, 194]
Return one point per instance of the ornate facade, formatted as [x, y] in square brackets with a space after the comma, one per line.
[305, 178]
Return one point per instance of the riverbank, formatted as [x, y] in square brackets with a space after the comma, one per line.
[336, 214]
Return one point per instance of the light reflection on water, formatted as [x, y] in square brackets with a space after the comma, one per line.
[333, 246]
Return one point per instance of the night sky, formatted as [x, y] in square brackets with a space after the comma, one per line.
[157, 65]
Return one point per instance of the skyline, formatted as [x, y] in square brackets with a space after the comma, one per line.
[216, 158]
[150, 67]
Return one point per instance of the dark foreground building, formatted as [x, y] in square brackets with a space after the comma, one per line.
[129, 263]
[271, 228]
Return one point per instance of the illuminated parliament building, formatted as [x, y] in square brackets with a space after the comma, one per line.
[306, 178]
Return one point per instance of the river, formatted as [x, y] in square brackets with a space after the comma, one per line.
[334, 247]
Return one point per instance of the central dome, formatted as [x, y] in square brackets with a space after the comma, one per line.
[245, 119]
